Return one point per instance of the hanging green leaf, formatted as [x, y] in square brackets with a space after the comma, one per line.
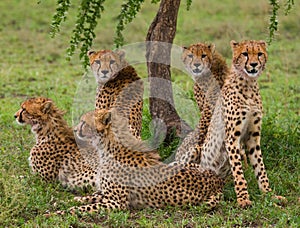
[188, 4]
[288, 6]
[273, 26]
[83, 34]
[127, 14]
[59, 16]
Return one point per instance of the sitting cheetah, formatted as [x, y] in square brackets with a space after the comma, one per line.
[208, 69]
[131, 175]
[55, 154]
[117, 79]
[206, 66]
[237, 119]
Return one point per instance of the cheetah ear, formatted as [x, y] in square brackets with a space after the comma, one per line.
[90, 52]
[47, 106]
[185, 50]
[212, 47]
[106, 120]
[120, 53]
[263, 43]
[233, 43]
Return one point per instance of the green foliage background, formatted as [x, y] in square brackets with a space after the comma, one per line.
[34, 64]
[90, 11]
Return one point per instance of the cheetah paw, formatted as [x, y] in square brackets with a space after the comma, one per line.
[49, 214]
[79, 199]
[281, 200]
[60, 212]
[244, 203]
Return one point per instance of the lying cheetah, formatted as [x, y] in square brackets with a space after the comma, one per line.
[56, 154]
[237, 119]
[118, 80]
[133, 177]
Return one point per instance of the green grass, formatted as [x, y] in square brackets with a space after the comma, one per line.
[33, 64]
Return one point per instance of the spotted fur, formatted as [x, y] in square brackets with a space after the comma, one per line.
[208, 69]
[201, 60]
[56, 156]
[237, 120]
[134, 177]
[118, 86]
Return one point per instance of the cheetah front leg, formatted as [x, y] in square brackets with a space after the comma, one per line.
[108, 201]
[90, 199]
[102, 203]
[255, 154]
[256, 159]
[233, 148]
[214, 200]
[107, 204]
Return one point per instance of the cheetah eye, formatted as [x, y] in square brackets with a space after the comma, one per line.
[260, 54]
[112, 61]
[245, 54]
[23, 111]
[203, 56]
[190, 55]
[97, 61]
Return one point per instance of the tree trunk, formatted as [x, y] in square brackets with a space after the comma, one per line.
[159, 43]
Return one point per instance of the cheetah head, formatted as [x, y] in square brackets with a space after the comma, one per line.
[198, 58]
[106, 64]
[249, 57]
[92, 124]
[86, 129]
[103, 120]
[37, 112]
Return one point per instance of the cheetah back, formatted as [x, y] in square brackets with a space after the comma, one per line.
[55, 154]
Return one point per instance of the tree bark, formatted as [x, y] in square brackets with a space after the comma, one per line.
[159, 39]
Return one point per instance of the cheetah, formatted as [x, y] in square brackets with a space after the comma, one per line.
[202, 60]
[56, 156]
[131, 175]
[208, 69]
[116, 80]
[237, 119]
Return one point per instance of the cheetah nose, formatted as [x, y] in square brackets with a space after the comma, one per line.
[104, 72]
[197, 64]
[253, 64]
[15, 116]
